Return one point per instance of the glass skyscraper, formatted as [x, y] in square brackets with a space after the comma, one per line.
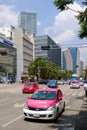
[28, 22]
[71, 60]
[51, 55]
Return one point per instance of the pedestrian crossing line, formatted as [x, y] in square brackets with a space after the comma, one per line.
[67, 107]
[68, 93]
[81, 94]
[75, 93]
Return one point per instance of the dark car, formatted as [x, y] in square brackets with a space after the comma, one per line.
[52, 84]
[43, 81]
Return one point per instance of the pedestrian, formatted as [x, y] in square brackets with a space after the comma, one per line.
[85, 88]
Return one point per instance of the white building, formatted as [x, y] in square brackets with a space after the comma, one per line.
[24, 45]
[8, 31]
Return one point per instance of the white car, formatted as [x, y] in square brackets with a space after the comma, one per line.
[74, 84]
[45, 104]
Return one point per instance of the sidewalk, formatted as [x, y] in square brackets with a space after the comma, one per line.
[81, 123]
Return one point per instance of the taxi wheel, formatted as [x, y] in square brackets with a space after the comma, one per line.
[57, 115]
[63, 108]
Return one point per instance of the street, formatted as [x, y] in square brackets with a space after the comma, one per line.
[12, 101]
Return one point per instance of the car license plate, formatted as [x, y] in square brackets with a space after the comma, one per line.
[36, 115]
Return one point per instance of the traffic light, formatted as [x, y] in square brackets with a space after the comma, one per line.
[47, 47]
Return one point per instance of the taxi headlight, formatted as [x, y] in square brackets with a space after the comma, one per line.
[26, 107]
[52, 108]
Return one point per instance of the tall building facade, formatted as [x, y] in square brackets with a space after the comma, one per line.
[75, 54]
[28, 22]
[71, 60]
[51, 55]
[24, 45]
[67, 60]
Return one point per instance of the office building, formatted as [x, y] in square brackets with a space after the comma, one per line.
[24, 45]
[8, 31]
[67, 60]
[71, 60]
[51, 55]
[8, 59]
[28, 22]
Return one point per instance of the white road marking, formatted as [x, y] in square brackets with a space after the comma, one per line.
[68, 107]
[12, 121]
[75, 93]
[68, 94]
[18, 105]
[81, 93]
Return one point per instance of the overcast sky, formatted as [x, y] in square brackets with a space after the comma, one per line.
[62, 27]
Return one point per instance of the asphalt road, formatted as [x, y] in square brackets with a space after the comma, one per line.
[12, 101]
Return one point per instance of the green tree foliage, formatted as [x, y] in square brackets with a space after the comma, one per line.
[85, 72]
[2, 69]
[41, 68]
[82, 15]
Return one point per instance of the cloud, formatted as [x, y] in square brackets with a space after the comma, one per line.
[65, 24]
[67, 34]
[7, 15]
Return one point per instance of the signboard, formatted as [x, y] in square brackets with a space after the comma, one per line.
[7, 42]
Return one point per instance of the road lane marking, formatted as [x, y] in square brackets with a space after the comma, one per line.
[12, 121]
[75, 93]
[67, 107]
[18, 105]
[68, 94]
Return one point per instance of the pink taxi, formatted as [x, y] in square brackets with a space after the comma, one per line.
[45, 104]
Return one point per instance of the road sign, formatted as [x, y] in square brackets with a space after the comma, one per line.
[47, 47]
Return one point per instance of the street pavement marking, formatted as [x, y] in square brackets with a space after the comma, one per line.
[67, 107]
[68, 93]
[18, 105]
[12, 121]
[75, 93]
[81, 94]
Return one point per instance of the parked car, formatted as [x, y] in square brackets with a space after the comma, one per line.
[60, 82]
[43, 81]
[30, 87]
[74, 84]
[45, 104]
[52, 84]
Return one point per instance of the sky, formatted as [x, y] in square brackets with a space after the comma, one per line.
[62, 27]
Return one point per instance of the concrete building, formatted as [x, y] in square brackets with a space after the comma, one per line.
[24, 45]
[8, 31]
[51, 55]
[81, 68]
[28, 22]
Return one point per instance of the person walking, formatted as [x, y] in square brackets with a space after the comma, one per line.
[85, 88]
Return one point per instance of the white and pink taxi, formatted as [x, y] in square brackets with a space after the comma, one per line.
[45, 104]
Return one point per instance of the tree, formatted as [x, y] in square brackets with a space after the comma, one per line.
[82, 15]
[41, 68]
[2, 69]
[85, 72]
